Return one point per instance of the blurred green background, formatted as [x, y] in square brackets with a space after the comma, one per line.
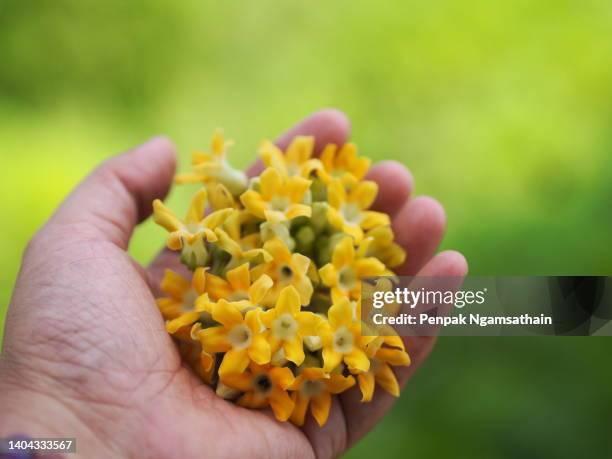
[502, 110]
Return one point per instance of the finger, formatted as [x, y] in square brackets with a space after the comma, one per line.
[329, 440]
[360, 418]
[118, 194]
[419, 227]
[394, 186]
[326, 126]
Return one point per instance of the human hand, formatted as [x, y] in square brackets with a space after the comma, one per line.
[86, 353]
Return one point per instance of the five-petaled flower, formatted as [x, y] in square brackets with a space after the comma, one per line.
[342, 339]
[189, 235]
[279, 197]
[348, 209]
[313, 388]
[263, 386]
[346, 270]
[239, 336]
[288, 325]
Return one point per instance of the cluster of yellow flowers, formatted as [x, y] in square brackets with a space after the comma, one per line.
[272, 313]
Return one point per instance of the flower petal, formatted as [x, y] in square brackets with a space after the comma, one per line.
[364, 194]
[372, 219]
[329, 275]
[366, 385]
[288, 301]
[301, 405]
[337, 384]
[234, 361]
[198, 281]
[297, 210]
[300, 149]
[260, 288]
[281, 377]
[241, 381]
[217, 287]
[226, 313]
[336, 194]
[308, 323]
[395, 357]
[174, 284]
[344, 253]
[239, 278]
[259, 350]
[271, 183]
[387, 380]
[331, 359]
[281, 404]
[254, 203]
[357, 360]
[366, 267]
[216, 218]
[172, 326]
[340, 313]
[195, 213]
[164, 217]
[320, 406]
[295, 187]
[294, 350]
[214, 339]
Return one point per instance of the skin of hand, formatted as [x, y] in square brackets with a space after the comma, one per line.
[85, 351]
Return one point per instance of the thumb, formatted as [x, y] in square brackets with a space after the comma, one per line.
[117, 195]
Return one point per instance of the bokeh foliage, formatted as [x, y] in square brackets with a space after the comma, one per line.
[500, 109]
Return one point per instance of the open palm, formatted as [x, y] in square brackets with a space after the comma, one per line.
[86, 353]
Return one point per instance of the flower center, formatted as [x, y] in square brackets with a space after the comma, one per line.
[312, 388]
[239, 336]
[193, 228]
[347, 278]
[293, 168]
[279, 203]
[262, 384]
[286, 273]
[284, 327]
[238, 296]
[351, 213]
[343, 340]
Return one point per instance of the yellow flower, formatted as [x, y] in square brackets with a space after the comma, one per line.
[314, 387]
[348, 210]
[263, 386]
[382, 357]
[379, 242]
[343, 164]
[187, 301]
[285, 269]
[239, 337]
[213, 166]
[288, 325]
[220, 197]
[343, 275]
[280, 198]
[342, 339]
[238, 288]
[239, 252]
[189, 235]
[296, 160]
